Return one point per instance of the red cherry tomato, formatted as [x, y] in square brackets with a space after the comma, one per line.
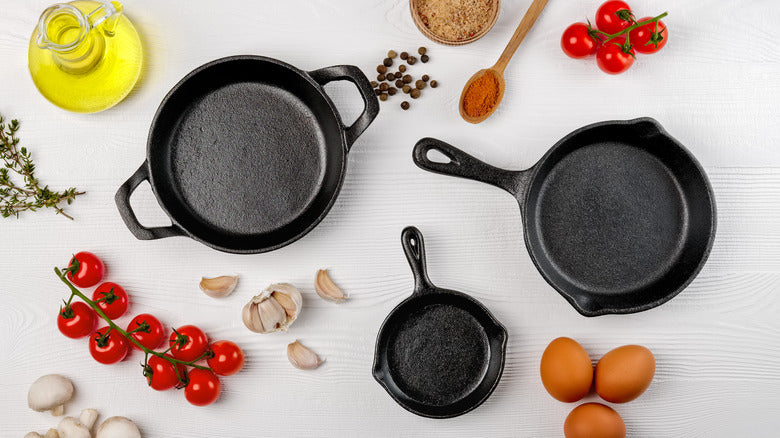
[228, 358]
[642, 37]
[203, 387]
[110, 350]
[152, 334]
[193, 343]
[161, 374]
[85, 269]
[77, 320]
[577, 42]
[612, 59]
[111, 298]
[611, 18]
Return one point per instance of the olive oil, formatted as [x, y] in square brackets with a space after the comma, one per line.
[85, 56]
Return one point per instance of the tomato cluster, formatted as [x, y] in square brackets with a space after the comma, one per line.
[617, 38]
[186, 346]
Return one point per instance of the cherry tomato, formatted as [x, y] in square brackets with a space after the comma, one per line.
[151, 336]
[203, 387]
[642, 37]
[228, 358]
[611, 19]
[113, 299]
[577, 42]
[161, 373]
[85, 269]
[113, 349]
[192, 345]
[612, 59]
[77, 320]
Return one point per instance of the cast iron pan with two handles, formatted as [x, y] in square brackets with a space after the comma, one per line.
[618, 216]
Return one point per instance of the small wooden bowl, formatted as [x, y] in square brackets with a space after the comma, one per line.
[433, 37]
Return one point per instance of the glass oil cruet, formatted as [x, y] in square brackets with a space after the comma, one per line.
[85, 56]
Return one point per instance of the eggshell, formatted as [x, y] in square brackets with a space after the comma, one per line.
[594, 420]
[566, 370]
[624, 373]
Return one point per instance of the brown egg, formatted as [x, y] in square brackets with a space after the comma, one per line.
[624, 373]
[566, 370]
[594, 420]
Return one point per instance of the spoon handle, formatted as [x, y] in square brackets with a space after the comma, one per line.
[522, 30]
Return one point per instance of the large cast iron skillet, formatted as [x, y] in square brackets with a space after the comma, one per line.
[618, 216]
[440, 353]
[247, 154]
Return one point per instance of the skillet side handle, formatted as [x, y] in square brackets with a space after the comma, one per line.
[122, 200]
[354, 75]
[414, 248]
[464, 165]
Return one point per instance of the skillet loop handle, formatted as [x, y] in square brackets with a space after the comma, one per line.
[354, 75]
[122, 200]
[414, 248]
[464, 165]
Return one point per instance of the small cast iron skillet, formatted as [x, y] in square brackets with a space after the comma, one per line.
[440, 353]
[618, 216]
[247, 154]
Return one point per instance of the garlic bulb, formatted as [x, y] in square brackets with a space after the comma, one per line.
[276, 308]
[219, 287]
[302, 357]
[326, 288]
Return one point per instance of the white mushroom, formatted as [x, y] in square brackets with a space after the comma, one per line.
[33, 435]
[88, 417]
[50, 392]
[118, 427]
[70, 427]
[52, 433]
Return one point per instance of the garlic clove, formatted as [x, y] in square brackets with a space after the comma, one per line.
[219, 287]
[302, 357]
[251, 317]
[88, 417]
[327, 289]
[272, 314]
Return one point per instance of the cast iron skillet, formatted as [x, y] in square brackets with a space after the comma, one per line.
[440, 353]
[247, 154]
[618, 216]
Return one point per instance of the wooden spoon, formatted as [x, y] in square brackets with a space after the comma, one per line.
[498, 69]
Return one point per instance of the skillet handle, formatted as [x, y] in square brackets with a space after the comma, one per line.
[464, 165]
[414, 248]
[122, 200]
[354, 75]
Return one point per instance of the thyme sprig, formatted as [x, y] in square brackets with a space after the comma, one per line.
[16, 198]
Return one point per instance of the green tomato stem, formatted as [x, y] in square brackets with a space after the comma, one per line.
[113, 326]
[632, 27]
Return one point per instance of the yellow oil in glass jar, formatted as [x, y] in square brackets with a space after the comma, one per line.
[85, 56]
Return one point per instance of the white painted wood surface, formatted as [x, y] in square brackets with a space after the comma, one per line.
[716, 87]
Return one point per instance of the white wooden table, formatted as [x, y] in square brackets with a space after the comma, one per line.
[715, 87]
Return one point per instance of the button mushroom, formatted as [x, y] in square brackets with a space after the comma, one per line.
[118, 427]
[50, 392]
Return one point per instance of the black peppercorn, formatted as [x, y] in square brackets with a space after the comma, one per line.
[390, 77]
[415, 93]
[381, 69]
[419, 84]
[434, 84]
[406, 89]
[391, 54]
[411, 60]
[383, 97]
[407, 79]
[425, 78]
[399, 83]
[391, 91]
[374, 84]
[380, 77]
[377, 91]
[387, 62]
[422, 50]
[404, 55]
[405, 105]
[383, 86]
[402, 68]
[424, 58]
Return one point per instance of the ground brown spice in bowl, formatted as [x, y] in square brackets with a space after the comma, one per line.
[456, 20]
